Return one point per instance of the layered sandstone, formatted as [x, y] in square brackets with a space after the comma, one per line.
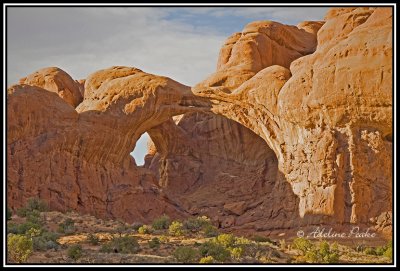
[284, 133]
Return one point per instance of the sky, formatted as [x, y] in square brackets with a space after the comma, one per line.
[181, 43]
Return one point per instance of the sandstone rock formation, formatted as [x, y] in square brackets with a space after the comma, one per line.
[284, 133]
[58, 81]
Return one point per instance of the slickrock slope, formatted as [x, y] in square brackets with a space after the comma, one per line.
[293, 128]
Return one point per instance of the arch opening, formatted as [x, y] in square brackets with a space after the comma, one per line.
[210, 165]
[140, 150]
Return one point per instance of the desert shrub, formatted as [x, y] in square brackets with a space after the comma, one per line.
[121, 229]
[45, 241]
[154, 243]
[379, 251]
[32, 232]
[302, 244]
[37, 204]
[385, 250]
[93, 239]
[75, 252]
[41, 244]
[239, 241]
[161, 223]
[236, 252]
[136, 225]
[215, 250]
[176, 228]
[145, 229]
[67, 227]
[196, 224]
[33, 204]
[323, 253]
[163, 238]
[34, 217]
[227, 240]
[327, 253]
[208, 259]
[19, 248]
[9, 214]
[389, 253]
[22, 228]
[210, 231]
[124, 245]
[370, 251]
[186, 255]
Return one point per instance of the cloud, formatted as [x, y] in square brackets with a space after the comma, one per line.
[83, 40]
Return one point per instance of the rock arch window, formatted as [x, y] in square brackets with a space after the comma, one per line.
[140, 150]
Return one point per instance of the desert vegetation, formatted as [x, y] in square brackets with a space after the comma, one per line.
[36, 235]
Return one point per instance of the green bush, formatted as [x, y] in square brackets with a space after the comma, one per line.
[302, 244]
[22, 228]
[370, 251]
[45, 241]
[236, 253]
[9, 214]
[145, 229]
[208, 259]
[210, 231]
[136, 225]
[75, 252]
[215, 250]
[67, 227]
[124, 245]
[227, 240]
[242, 241]
[154, 243]
[176, 228]
[389, 253]
[33, 204]
[196, 224]
[37, 204]
[34, 217]
[93, 239]
[19, 248]
[163, 238]
[161, 223]
[323, 253]
[380, 251]
[186, 255]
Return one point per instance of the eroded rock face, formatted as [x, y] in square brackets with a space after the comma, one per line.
[284, 133]
[327, 121]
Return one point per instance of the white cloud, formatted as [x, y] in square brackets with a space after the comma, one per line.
[84, 40]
